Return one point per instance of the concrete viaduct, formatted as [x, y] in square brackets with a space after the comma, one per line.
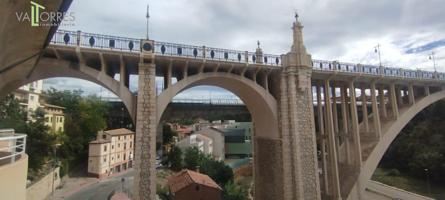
[305, 146]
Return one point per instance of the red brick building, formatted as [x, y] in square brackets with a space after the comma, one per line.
[190, 185]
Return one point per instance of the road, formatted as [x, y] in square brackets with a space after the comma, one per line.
[102, 189]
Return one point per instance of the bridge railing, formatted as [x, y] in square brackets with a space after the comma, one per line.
[12, 146]
[90, 40]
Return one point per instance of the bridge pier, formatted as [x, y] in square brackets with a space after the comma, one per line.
[297, 126]
[145, 142]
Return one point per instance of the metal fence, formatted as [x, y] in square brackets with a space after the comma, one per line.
[90, 40]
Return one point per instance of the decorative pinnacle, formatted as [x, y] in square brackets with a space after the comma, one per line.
[258, 43]
[296, 16]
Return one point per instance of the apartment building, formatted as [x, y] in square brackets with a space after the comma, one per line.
[111, 152]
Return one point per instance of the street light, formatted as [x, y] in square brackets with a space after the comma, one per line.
[428, 181]
[377, 50]
[433, 58]
[54, 167]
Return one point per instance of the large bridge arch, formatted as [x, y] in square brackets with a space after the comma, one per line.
[51, 68]
[263, 108]
[260, 103]
[390, 132]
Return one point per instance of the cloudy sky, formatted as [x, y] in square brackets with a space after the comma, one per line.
[345, 30]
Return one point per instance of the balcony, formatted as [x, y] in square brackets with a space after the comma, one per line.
[13, 165]
[12, 146]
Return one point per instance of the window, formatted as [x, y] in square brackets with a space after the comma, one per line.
[105, 148]
[125, 146]
[197, 188]
[31, 98]
[118, 145]
[105, 159]
[131, 143]
[125, 156]
[104, 136]
[119, 138]
[112, 146]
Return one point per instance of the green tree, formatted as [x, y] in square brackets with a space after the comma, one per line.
[192, 158]
[234, 192]
[11, 114]
[40, 143]
[84, 117]
[174, 159]
[167, 134]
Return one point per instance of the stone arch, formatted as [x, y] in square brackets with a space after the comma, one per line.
[51, 68]
[260, 103]
[267, 143]
[390, 133]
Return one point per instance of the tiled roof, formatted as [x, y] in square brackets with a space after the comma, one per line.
[120, 131]
[186, 177]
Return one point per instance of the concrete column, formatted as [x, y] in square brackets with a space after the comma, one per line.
[168, 76]
[123, 79]
[103, 64]
[334, 109]
[335, 179]
[185, 70]
[145, 143]
[382, 102]
[322, 137]
[365, 109]
[399, 97]
[355, 126]
[395, 109]
[335, 120]
[427, 90]
[411, 99]
[375, 111]
[266, 81]
[345, 122]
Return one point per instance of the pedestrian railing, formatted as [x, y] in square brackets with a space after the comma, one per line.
[12, 146]
[98, 41]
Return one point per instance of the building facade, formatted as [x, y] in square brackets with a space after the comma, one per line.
[30, 99]
[218, 141]
[201, 142]
[54, 117]
[111, 152]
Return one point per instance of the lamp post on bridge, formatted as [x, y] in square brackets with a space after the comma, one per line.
[433, 58]
[377, 50]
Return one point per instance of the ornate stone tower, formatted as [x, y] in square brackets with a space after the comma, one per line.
[297, 128]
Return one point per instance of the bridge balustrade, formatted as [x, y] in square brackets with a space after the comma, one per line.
[90, 40]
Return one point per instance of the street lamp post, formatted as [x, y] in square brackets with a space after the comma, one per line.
[433, 58]
[54, 168]
[377, 50]
[428, 181]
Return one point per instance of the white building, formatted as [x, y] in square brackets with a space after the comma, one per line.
[208, 140]
[203, 143]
